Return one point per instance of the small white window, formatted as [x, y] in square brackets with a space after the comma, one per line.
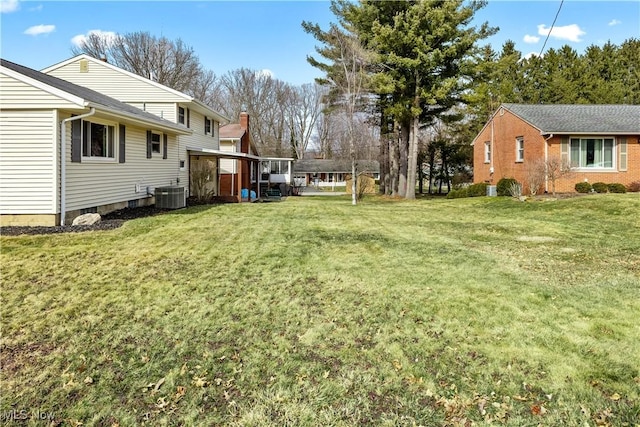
[519, 149]
[487, 152]
[155, 143]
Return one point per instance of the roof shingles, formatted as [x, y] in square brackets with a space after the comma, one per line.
[597, 119]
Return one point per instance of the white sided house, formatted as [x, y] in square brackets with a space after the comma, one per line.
[202, 144]
[66, 150]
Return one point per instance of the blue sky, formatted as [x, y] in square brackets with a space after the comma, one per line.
[267, 35]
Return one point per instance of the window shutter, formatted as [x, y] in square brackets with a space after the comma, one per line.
[622, 146]
[121, 144]
[164, 146]
[148, 144]
[213, 128]
[188, 118]
[564, 149]
[76, 141]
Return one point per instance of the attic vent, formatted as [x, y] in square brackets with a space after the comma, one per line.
[84, 66]
[502, 111]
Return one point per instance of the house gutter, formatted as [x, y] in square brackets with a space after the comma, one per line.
[63, 161]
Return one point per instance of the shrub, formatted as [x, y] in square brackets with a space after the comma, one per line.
[457, 194]
[617, 188]
[583, 187]
[634, 187]
[515, 190]
[477, 190]
[504, 186]
[600, 187]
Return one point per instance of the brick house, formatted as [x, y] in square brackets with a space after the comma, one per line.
[601, 142]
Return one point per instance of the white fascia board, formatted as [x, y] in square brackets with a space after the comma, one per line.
[224, 154]
[74, 99]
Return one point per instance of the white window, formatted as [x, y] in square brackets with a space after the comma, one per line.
[180, 115]
[279, 167]
[207, 126]
[519, 149]
[487, 152]
[155, 143]
[592, 153]
[98, 140]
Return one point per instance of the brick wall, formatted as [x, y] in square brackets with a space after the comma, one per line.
[506, 127]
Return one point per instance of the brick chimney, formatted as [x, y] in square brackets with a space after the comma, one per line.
[244, 124]
[244, 121]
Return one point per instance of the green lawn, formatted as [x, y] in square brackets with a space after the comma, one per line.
[313, 312]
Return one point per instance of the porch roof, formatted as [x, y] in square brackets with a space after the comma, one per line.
[199, 151]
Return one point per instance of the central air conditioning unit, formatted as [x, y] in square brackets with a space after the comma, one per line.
[170, 197]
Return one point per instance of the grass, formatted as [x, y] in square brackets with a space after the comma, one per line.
[312, 312]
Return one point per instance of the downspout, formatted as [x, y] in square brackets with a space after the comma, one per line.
[492, 154]
[63, 162]
[546, 159]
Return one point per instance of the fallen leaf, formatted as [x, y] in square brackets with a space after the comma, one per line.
[520, 398]
[199, 381]
[397, 365]
[88, 380]
[180, 392]
[158, 385]
[614, 396]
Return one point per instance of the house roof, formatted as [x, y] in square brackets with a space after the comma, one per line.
[231, 131]
[87, 98]
[197, 104]
[579, 119]
[333, 165]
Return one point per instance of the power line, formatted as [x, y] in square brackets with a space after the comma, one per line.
[551, 29]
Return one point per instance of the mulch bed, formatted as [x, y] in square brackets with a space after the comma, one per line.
[109, 221]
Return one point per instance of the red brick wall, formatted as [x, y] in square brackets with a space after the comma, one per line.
[507, 126]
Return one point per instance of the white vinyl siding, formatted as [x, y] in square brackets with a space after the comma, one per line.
[166, 110]
[17, 94]
[229, 165]
[28, 161]
[92, 184]
[116, 84]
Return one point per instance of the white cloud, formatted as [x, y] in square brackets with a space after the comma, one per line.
[614, 22]
[8, 6]
[37, 8]
[568, 32]
[531, 39]
[36, 30]
[265, 73]
[109, 36]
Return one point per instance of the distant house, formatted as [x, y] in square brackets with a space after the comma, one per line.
[66, 150]
[331, 172]
[202, 144]
[600, 142]
[244, 169]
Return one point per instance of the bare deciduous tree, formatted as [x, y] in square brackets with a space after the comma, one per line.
[556, 168]
[304, 108]
[535, 175]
